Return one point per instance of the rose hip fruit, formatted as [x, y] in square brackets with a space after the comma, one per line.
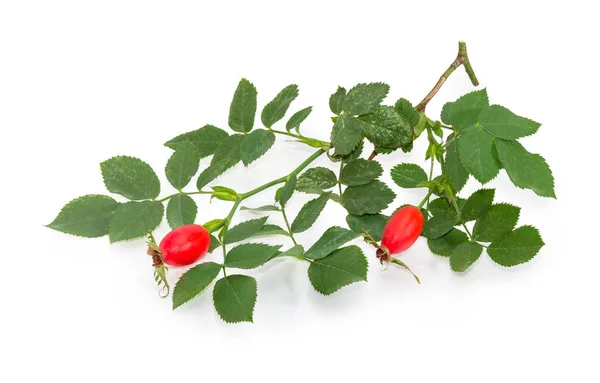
[402, 230]
[184, 245]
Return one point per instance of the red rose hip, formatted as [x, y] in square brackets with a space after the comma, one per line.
[184, 245]
[402, 230]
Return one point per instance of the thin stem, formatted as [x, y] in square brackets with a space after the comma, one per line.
[301, 137]
[287, 224]
[450, 141]
[186, 193]
[426, 199]
[340, 177]
[431, 168]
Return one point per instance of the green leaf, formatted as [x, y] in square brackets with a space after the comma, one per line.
[243, 107]
[294, 251]
[503, 123]
[526, 170]
[464, 255]
[499, 220]
[355, 154]
[206, 140]
[438, 225]
[408, 112]
[214, 243]
[269, 229]
[134, 220]
[193, 281]
[367, 199]
[287, 190]
[360, 172]
[520, 246]
[346, 134]
[262, 208]
[455, 170]
[341, 268]
[408, 175]
[130, 177]
[476, 150]
[336, 101]
[309, 213]
[256, 144]
[477, 204]
[386, 128]
[298, 118]
[227, 155]
[445, 244]
[333, 238]
[276, 109]
[249, 255]
[234, 297]
[463, 112]
[441, 206]
[364, 98]
[182, 165]
[86, 216]
[244, 230]
[181, 210]
[371, 223]
[315, 180]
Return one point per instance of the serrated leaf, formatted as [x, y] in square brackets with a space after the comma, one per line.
[386, 128]
[367, 199]
[182, 165]
[441, 206]
[86, 216]
[214, 243]
[276, 109]
[244, 230]
[130, 177]
[287, 190]
[193, 281]
[134, 220]
[346, 134]
[526, 170]
[294, 251]
[269, 229]
[477, 204]
[341, 268]
[333, 238]
[309, 213]
[243, 107]
[455, 170]
[315, 180]
[227, 155]
[364, 98]
[256, 144]
[445, 244]
[234, 297]
[298, 118]
[360, 172]
[438, 225]
[408, 175]
[463, 112]
[476, 150]
[206, 140]
[249, 255]
[355, 154]
[181, 210]
[371, 223]
[336, 101]
[499, 220]
[520, 246]
[503, 123]
[464, 255]
[262, 208]
[408, 112]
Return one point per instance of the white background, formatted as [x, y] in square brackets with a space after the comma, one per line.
[83, 81]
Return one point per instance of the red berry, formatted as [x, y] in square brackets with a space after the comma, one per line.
[184, 245]
[402, 230]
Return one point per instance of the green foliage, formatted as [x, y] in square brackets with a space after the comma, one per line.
[463, 113]
[193, 281]
[341, 268]
[371, 223]
[243, 107]
[214, 243]
[309, 213]
[386, 128]
[226, 156]
[499, 220]
[206, 140]
[249, 255]
[477, 204]
[441, 206]
[364, 98]
[445, 245]
[86, 216]
[464, 255]
[261, 208]
[476, 150]
[333, 238]
[298, 118]
[336, 101]
[346, 134]
[360, 172]
[316, 180]
[234, 297]
[287, 190]
[269, 229]
[367, 199]
[455, 170]
[130, 177]
[181, 210]
[182, 165]
[439, 225]
[408, 112]
[255, 144]
[519, 246]
[134, 220]
[244, 230]
[408, 175]
[276, 109]
[503, 123]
